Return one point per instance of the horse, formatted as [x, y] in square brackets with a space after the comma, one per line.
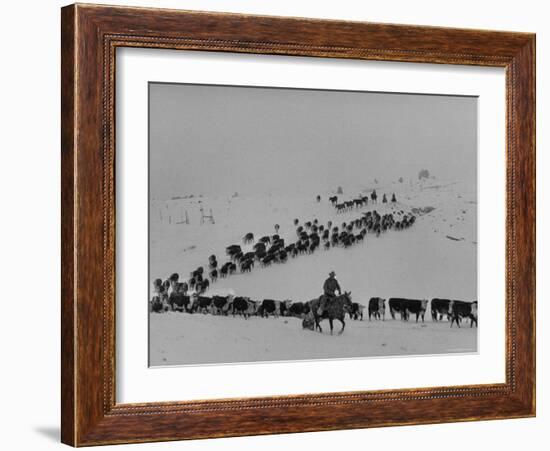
[335, 308]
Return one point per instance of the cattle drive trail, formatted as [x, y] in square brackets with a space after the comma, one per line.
[420, 262]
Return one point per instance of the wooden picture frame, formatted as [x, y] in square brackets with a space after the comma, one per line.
[90, 35]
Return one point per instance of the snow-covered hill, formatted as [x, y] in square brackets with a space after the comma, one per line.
[436, 257]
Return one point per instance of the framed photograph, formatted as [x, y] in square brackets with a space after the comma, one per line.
[276, 225]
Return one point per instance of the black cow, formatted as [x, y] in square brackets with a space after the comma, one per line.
[243, 306]
[197, 273]
[265, 239]
[224, 271]
[204, 285]
[377, 308]
[179, 301]
[356, 311]
[233, 249]
[157, 305]
[397, 305]
[267, 260]
[201, 303]
[220, 304]
[374, 196]
[282, 256]
[248, 238]
[247, 265]
[462, 309]
[417, 307]
[259, 247]
[271, 307]
[440, 308]
[298, 309]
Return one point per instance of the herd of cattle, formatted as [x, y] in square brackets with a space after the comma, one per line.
[452, 310]
[358, 202]
[271, 249]
[189, 295]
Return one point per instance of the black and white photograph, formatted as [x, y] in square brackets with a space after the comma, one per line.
[294, 224]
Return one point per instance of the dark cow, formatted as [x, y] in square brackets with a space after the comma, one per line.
[373, 196]
[220, 304]
[397, 305]
[233, 249]
[333, 199]
[197, 273]
[356, 311]
[271, 307]
[265, 239]
[202, 286]
[298, 309]
[340, 208]
[214, 275]
[224, 271]
[237, 256]
[243, 306]
[248, 238]
[259, 247]
[247, 265]
[377, 308]
[440, 308]
[267, 260]
[462, 309]
[249, 255]
[179, 301]
[417, 307]
[157, 305]
[201, 303]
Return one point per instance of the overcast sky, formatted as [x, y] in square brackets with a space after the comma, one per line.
[217, 140]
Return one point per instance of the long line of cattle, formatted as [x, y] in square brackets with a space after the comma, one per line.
[358, 202]
[311, 236]
[453, 310]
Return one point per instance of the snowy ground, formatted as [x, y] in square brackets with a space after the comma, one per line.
[180, 338]
[437, 257]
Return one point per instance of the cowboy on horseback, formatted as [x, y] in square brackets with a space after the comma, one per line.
[330, 287]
